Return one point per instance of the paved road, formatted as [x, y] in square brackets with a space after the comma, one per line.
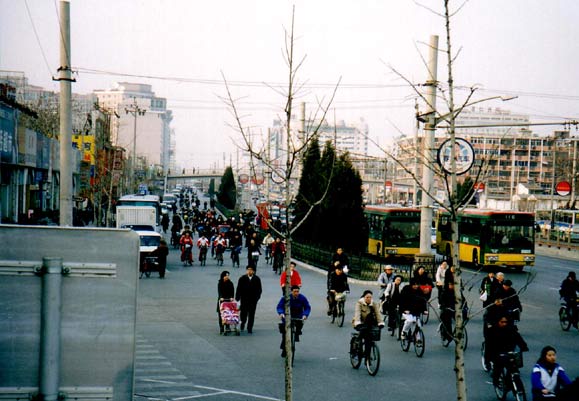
[181, 356]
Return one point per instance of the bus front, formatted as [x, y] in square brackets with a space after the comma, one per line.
[508, 240]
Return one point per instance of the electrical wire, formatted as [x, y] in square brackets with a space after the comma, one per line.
[38, 38]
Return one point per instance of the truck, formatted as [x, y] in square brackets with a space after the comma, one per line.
[141, 216]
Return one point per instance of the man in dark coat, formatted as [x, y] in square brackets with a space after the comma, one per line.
[248, 293]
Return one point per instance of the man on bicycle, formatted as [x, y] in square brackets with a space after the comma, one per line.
[337, 287]
[569, 290]
[299, 309]
[366, 316]
[412, 304]
[502, 338]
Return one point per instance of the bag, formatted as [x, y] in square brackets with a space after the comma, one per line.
[254, 253]
[484, 296]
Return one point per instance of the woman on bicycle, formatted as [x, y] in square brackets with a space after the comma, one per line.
[412, 304]
[548, 377]
[367, 315]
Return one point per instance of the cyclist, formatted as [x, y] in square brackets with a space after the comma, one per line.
[447, 308]
[391, 301]
[299, 309]
[337, 287]
[186, 248]
[569, 290]
[385, 278]
[366, 316]
[424, 281]
[220, 245]
[202, 244]
[548, 377]
[295, 278]
[502, 338]
[267, 242]
[507, 301]
[412, 304]
[277, 253]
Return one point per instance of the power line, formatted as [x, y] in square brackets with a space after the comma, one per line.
[38, 38]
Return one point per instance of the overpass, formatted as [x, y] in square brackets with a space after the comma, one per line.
[200, 177]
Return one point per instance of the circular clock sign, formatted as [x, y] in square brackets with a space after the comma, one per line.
[463, 155]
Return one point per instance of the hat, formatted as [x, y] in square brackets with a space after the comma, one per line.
[388, 267]
[508, 283]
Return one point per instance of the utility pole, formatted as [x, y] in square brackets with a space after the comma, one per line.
[428, 158]
[135, 111]
[65, 140]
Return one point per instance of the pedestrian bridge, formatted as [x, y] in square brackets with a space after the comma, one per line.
[201, 178]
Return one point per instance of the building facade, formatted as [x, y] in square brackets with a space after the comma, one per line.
[146, 131]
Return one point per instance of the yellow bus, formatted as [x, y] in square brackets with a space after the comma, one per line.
[490, 238]
[393, 232]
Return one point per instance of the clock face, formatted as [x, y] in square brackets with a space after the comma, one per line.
[463, 154]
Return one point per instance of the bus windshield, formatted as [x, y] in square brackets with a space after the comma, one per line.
[511, 237]
[401, 233]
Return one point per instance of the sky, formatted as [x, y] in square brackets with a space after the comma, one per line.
[186, 48]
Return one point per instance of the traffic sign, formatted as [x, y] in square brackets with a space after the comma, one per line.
[243, 178]
[563, 188]
[388, 185]
[479, 187]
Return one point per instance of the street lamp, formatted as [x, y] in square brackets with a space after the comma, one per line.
[135, 111]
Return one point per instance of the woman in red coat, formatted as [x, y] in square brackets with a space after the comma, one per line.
[295, 278]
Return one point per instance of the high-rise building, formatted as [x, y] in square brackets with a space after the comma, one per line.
[149, 125]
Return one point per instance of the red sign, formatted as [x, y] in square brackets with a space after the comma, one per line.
[243, 178]
[563, 188]
[258, 179]
[479, 187]
[388, 185]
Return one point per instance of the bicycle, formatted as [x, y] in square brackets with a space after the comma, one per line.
[446, 338]
[338, 311]
[565, 316]
[509, 379]
[415, 335]
[293, 335]
[219, 255]
[203, 255]
[367, 350]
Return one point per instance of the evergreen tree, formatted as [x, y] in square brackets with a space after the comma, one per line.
[227, 194]
[465, 192]
[309, 191]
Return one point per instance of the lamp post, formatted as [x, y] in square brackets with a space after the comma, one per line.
[135, 111]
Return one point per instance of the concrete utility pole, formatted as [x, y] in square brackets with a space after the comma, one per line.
[135, 110]
[428, 159]
[65, 140]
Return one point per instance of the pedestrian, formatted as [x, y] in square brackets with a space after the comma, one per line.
[225, 292]
[548, 378]
[489, 287]
[295, 278]
[439, 279]
[247, 294]
[253, 252]
[161, 253]
[507, 301]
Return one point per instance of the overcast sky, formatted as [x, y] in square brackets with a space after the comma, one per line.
[528, 48]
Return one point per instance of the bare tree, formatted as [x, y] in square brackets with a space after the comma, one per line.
[295, 144]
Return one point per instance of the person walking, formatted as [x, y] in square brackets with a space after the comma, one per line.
[247, 294]
[225, 292]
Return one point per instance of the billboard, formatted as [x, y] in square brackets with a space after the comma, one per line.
[98, 293]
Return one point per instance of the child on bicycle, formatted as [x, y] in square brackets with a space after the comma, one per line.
[412, 304]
